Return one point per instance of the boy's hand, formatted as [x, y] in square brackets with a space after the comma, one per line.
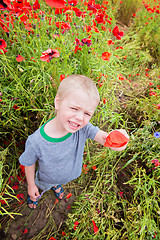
[123, 131]
[33, 192]
[101, 138]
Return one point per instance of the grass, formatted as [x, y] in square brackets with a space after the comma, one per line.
[117, 191]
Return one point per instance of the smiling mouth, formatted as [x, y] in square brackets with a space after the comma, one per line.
[74, 124]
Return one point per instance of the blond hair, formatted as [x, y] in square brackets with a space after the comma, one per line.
[73, 82]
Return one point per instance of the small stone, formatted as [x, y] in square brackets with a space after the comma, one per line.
[14, 236]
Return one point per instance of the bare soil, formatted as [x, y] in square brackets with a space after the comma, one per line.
[48, 217]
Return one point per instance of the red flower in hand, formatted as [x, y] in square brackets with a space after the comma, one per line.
[49, 54]
[116, 139]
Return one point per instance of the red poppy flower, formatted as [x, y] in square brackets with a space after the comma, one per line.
[56, 3]
[76, 224]
[15, 186]
[158, 106]
[73, 2]
[62, 76]
[85, 167]
[116, 139]
[3, 201]
[69, 195]
[36, 5]
[110, 42]
[52, 238]
[63, 233]
[19, 58]
[3, 44]
[63, 25]
[78, 42]
[15, 107]
[121, 194]
[3, 6]
[156, 162]
[76, 49]
[106, 56]
[22, 169]
[58, 11]
[78, 12]
[2, 51]
[10, 179]
[6, 5]
[25, 231]
[118, 34]
[94, 167]
[95, 228]
[86, 41]
[100, 18]
[20, 196]
[88, 29]
[49, 54]
[121, 77]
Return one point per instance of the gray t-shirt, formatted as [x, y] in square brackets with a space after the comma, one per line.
[59, 159]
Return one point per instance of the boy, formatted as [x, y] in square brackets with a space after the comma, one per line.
[59, 144]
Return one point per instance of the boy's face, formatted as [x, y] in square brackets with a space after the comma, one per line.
[74, 111]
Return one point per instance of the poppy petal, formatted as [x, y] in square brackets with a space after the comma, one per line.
[95, 228]
[69, 195]
[116, 139]
[56, 3]
[19, 58]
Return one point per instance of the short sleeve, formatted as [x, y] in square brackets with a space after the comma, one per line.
[90, 131]
[29, 156]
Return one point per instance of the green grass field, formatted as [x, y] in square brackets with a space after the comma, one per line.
[117, 44]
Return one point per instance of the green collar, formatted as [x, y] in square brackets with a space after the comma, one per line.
[50, 139]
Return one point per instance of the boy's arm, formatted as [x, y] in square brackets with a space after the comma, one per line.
[32, 188]
[101, 138]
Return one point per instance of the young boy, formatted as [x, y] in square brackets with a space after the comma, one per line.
[59, 144]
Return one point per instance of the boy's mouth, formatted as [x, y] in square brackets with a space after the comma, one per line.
[75, 125]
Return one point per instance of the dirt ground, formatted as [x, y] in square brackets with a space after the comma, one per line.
[48, 217]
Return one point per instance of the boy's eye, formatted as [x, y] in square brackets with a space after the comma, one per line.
[87, 114]
[75, 109]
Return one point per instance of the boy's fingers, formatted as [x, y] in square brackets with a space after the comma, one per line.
[123, 131]
[37, 194]
[104, 136]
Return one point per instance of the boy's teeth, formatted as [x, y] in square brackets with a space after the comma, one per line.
[74, 124]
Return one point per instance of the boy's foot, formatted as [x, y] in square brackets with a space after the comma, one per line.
[58, 191]
[31, 204]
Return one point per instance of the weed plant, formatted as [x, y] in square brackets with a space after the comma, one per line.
[119, 197]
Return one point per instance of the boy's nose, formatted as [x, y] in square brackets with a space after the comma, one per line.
[79, 116]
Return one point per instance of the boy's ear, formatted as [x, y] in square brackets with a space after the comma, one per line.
[56, 102]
